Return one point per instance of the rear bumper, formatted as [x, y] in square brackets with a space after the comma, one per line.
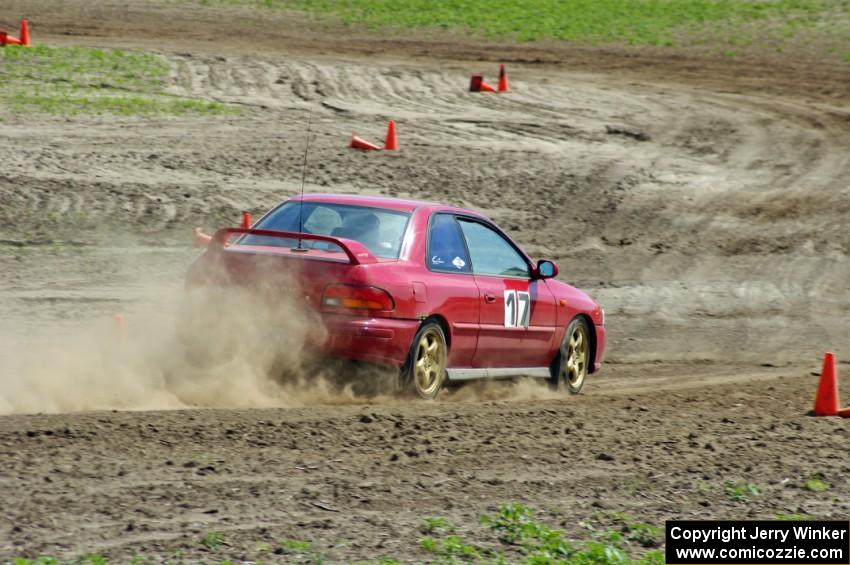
[385, 341]
[601, 338]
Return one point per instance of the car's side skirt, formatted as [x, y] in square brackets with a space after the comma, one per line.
[463, 374]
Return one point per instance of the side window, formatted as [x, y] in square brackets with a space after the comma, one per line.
[446, 250]
[491, 253]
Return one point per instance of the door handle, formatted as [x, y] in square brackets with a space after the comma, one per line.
[489, 298]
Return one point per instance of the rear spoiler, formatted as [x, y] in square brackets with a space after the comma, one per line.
[358, 254]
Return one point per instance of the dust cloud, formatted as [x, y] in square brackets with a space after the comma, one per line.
[223, 345]
[214, 347]
[508, 389]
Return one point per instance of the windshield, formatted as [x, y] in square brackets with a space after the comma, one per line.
[378, 229]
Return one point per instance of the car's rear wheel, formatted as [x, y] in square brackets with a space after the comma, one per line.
[570, 366]
[424, 373]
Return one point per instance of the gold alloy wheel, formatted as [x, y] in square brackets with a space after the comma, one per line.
[576, 351]
[430, 364]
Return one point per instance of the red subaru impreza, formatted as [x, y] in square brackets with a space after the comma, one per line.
[439, 292]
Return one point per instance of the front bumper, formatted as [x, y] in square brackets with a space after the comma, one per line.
[385, 341]
[601, 338]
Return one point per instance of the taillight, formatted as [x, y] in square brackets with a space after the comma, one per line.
[353, 297]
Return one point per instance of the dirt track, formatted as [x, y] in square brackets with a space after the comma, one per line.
[356, 481]
[703, 202]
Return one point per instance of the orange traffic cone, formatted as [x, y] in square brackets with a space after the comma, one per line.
[477, 84]
[25, 32]
[826, 401]
[246, 220]
[391, 143]
[120, 326]
[358, 143]
[503, 80]
[844, 412]
[201, 239]
[6, 39]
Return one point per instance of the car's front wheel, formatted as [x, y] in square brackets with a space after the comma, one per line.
[570, 365]
[425, 370]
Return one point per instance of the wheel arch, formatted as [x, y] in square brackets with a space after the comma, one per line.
[591, 330]
[444, 325]
[408, 379]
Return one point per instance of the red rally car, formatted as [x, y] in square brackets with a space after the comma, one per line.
[439, 292]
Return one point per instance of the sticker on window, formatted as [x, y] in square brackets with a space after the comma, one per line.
[517, 309]
[458, 262]
[435, 260]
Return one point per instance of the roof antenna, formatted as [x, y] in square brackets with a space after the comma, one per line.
[303, 176]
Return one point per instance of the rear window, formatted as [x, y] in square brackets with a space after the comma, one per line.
[378, 229]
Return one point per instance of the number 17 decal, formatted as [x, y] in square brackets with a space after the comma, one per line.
[517, 309]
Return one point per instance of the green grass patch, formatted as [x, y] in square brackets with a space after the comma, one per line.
[512, 535]
[431, 525]
[645, 22]
[88, 560]
[793, 517]
[79, 80]
[296, 545]
[213, 540]
[741, 490]
[298, 551]
[816, 484]
[517, 530]
[543, 544]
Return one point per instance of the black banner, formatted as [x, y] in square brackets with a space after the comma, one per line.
[765, 542]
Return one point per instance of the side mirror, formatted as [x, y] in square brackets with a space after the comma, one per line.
[546, 269]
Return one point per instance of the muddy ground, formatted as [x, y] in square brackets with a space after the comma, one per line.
[702, 200]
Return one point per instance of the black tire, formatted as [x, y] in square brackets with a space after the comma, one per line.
[570, 366]
[424, 372]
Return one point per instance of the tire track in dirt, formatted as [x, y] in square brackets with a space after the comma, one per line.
[721, 184]
[717, 244]
[121, 483]
[567, 127]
